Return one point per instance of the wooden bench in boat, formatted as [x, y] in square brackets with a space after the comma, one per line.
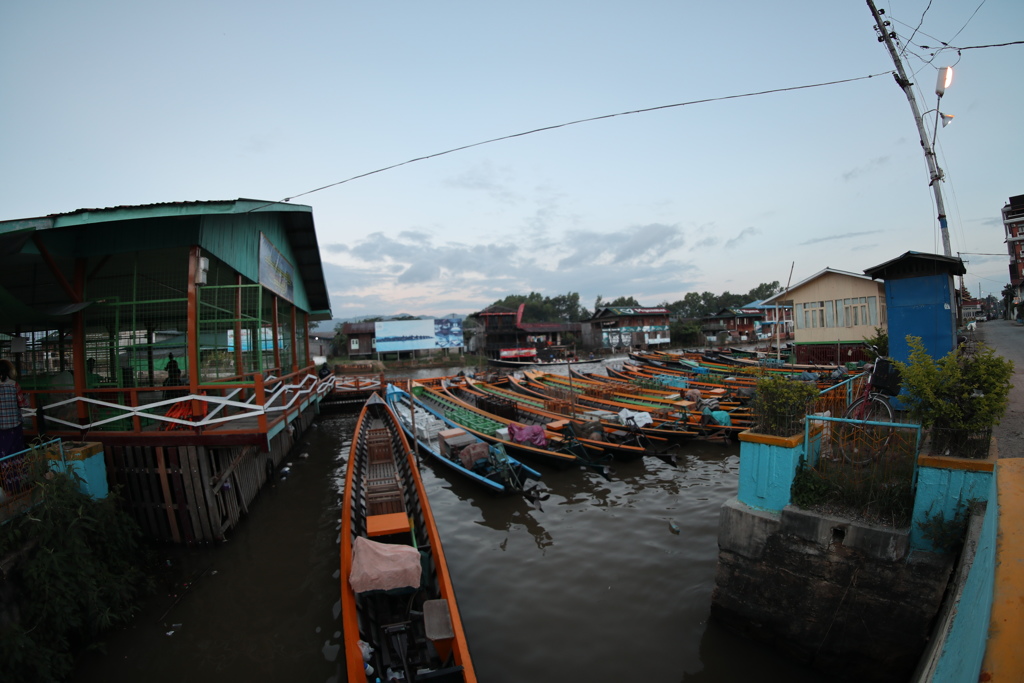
[385, 501]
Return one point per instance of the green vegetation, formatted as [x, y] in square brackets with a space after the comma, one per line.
[879, 491]
[780, 404]
[77, 567]
[695, 305]
[544, 309]
[961, 394]
[880, 341]
[947, 535]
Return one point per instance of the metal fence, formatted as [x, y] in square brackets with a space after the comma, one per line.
[857, 468]
[17, 476]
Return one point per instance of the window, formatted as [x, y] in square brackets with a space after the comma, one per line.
[814, 314]
[856, 311]
[354, 344]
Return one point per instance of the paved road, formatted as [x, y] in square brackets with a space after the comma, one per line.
[1007, 338]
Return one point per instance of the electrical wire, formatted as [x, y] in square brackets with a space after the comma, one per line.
[569, 123]
[919, 23]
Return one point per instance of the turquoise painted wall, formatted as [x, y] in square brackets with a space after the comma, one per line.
[945, 491]
[766, 474]
[235, 240]
[964, 649]
[93, 472]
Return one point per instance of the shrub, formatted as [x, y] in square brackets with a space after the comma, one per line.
[780, 404]
[80, 574]
[959, 394]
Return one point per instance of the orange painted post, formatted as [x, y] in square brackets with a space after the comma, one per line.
[274, 331]
[192, 350]
[239, 365]
[78, 343]
[295, 350]
[261, 400]
[133, 401]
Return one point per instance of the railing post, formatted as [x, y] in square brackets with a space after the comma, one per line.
[261, 401]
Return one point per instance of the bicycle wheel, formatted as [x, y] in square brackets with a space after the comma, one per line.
[874, 408]
[864, 443]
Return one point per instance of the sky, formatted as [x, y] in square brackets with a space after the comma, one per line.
[111, 103]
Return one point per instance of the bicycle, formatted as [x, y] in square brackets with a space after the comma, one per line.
[869, 442]
[883, 382]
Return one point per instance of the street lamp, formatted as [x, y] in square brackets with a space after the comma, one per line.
[944, 80]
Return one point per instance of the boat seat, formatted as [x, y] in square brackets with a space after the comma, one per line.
[387, 524]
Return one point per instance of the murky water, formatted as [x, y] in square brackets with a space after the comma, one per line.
[610, 580]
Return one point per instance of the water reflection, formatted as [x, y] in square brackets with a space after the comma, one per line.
[607, 580]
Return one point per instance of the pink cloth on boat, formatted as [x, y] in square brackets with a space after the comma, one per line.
[471, 453]
[383, 566]
[528, 434]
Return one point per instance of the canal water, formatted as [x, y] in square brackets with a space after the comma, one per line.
[610, 579]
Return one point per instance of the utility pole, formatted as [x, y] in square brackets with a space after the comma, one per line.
[885, 36]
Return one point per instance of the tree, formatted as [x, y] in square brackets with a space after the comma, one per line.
[538, 308]
[1008, 293]
[763, 291]
[339, 344]
[625, 301]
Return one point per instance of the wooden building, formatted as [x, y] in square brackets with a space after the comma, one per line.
[626, 327]
[507, 337]
[834, 311]
[177, 336]
[360, 339]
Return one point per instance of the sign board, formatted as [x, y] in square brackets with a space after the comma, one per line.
[413, 335]
[525, 352]
[276, 274]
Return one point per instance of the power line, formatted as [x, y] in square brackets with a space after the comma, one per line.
[563, 125]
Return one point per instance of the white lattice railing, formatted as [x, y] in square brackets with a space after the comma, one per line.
[216, 410]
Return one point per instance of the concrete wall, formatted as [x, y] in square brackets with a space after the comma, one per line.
[844, 597]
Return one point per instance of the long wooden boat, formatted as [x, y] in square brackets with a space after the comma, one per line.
[685, 417]
[398, 608]
[623, 443]
[524, 364]
[554, 450]
[456, 449]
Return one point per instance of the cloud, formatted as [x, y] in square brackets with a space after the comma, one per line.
[379, 274]
[873, 164]
[842, 236]
[744, 233]
[419, 273]
[634, 246]
[483, 177]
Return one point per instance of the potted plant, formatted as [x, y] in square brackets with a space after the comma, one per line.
[780, 405]
[958, 398]
[771, 451]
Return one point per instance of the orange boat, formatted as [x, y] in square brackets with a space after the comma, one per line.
[398, 608]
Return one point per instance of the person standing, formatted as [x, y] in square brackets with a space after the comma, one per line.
[12, 400]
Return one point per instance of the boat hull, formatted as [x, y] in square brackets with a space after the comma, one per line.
[394, 623]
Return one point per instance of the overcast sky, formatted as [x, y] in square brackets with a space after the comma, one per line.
[133, 102]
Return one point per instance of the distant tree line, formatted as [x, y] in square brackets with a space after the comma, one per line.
[538, 308]
[567, 308]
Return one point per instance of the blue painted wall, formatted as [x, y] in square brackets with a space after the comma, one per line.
[945, 491]
[766, 474]
[93, 473]
[964, 649]
[922, 307]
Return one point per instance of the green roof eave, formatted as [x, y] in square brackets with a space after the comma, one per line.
[171, 210]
